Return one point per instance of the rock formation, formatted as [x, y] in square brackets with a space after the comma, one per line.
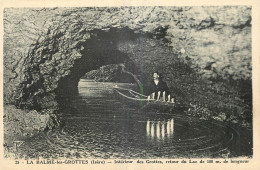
[47, 50]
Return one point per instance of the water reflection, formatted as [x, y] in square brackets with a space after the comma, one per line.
[152, 130]
[160, 130]
[102, 127]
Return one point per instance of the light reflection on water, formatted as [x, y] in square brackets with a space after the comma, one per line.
[101, 127]
[160, 130]
[130, 133]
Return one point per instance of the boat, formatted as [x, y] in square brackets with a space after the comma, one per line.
[139, 101]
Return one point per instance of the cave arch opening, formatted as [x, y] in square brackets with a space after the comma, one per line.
[100, 51]
[57, 66]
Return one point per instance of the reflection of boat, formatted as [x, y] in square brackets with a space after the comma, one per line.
[135, 99]
[160, 130]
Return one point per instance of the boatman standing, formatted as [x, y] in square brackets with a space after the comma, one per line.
[158, 89]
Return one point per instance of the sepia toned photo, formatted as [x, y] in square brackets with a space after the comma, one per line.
[127, 84]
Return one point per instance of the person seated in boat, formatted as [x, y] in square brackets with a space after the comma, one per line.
[159, 90]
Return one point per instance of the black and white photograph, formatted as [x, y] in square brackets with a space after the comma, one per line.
[117, 84]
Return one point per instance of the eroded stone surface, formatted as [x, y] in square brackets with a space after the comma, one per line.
[46, 50]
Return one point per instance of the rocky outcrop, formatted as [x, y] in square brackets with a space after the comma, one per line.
[20, 124]
[47, 50]
[109, 73]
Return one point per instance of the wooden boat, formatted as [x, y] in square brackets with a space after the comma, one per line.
[139, 101]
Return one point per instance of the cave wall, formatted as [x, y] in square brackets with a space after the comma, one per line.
[43, 47]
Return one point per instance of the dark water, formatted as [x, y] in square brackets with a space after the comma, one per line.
[101, 127]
